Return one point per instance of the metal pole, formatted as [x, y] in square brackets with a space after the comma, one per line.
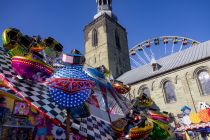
[107, 107]
[110, 120]
[190, 93]
[68, 126]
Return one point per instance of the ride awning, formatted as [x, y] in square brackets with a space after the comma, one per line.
[194, 127]
[36, 95]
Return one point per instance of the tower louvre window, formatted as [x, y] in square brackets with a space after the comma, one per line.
[100, 2]
[104, 2]
[94, 38]
[117, 39]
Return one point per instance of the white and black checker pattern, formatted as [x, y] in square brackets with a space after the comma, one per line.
[5, 64]
[37, 94]
[93, 128]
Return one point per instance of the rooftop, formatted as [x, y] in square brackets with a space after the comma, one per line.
[168, 63]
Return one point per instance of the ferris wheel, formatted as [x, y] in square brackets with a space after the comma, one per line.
[158, 47]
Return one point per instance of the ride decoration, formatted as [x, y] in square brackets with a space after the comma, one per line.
[97, 75]
[142, 122]
[81, 111]
[120, 87]
[74, 58]
[119, 126]
[70, 86]
[58, 133]
[159, 116]
[194, 118]
[160, 130]
[199, 121]
[3, 85]
[103, 80]
[28, 68]
[143, 101]
[101, 75]
[32, 57]
[141, 132]
[17, 44]
[10, 39]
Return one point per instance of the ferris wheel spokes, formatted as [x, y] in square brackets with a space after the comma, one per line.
[152, 54]
[146, 55]
[141, 59]
[165, 48]
[172, 50]
[180, 47]
[135, 62]
[142, 53]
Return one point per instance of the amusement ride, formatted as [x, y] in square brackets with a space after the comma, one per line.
[70, 84]
[158, 47]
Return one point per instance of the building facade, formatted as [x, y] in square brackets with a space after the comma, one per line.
[106, 41]
[180, 79]
[183, 79]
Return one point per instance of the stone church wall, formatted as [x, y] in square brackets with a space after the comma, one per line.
[185, 84]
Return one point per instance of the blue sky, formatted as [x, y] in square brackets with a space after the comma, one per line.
[65, 19]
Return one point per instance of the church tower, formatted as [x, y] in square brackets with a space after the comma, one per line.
[106, 41]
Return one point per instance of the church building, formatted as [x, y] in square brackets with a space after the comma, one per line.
[182, 79]
[106, 41]
[172, 82]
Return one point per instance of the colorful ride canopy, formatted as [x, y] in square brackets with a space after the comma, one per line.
[196, 121]
[70, 86]
[107, 96]
[121, 88]
[143, 122]
[32, 57]
[31, 69]
[98, 76]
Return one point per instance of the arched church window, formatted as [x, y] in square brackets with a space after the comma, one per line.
[94, 38]
[117, 39]
[144, 90]
[117, 71]
[169, 92]
[100, 2]
[95, 60]
[104, 2]
[204, 81]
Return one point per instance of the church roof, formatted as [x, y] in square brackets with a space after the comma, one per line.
[168, 63]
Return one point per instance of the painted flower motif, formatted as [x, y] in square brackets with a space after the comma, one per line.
[58, 133]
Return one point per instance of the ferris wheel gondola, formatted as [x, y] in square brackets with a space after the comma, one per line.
[143, 52]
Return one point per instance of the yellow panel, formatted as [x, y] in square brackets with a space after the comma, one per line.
[9, 103]
[9, 99]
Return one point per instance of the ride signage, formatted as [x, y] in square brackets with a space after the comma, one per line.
[69, 85]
